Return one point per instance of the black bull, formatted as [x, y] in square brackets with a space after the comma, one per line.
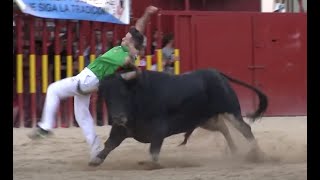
[152, 106]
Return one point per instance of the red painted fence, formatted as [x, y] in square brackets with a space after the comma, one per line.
[44, 54]
[267, 50]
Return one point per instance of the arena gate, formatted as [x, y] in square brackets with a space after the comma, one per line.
[267, 50]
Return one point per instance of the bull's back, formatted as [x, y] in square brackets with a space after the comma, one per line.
[181, 100]
[184, 101]
[172, 90]
[222, 96]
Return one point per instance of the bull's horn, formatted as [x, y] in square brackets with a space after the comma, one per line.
[129, 75]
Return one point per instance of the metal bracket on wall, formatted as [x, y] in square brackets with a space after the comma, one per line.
[256, 67]
[259, 45]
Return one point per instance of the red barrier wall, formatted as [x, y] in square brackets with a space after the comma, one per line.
[280, 47]
[267, 50]
[225, 46]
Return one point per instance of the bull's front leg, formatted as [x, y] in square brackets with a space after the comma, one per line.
[155, 148]
[117, 135]
[157, 137]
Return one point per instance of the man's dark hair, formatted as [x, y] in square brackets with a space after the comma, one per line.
[137, 38]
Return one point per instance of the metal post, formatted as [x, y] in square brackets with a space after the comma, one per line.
[186, 5]
[32, 72]
[69, 71]
[20, 69]
[57, 63]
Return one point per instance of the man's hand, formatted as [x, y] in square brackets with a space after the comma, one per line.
[142, 21]
[130, 63]
[151, 10]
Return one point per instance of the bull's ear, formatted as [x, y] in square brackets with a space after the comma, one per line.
[129, 75]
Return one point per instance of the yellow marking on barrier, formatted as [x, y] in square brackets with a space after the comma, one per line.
[177, 61]
[57, 68]
[176, 67]
[137, 61]
[92, 57]
[44, 70]
[81, 63]
[159, 60]
[177, 52]
[69, 66]
[19, 74]
[149, 62]
[32, 72]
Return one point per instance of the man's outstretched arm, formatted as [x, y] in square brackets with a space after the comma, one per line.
[142, 21]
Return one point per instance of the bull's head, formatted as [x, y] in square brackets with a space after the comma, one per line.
[116, 90]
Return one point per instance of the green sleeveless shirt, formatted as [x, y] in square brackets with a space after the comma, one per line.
[109, 62]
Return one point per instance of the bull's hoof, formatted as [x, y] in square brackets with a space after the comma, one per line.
[154, 166]
[149, 165]
[142, 162]
[182, 144]
[96, 161]
[256, 156]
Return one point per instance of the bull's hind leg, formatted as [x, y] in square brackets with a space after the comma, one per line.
[240, 125]
[255, 154]
[117, 135]
[217, 124]
[186, 137]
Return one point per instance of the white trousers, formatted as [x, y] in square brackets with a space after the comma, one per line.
[65, 88]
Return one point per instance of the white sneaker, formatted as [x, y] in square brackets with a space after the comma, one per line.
[39, 133]
[96, 148]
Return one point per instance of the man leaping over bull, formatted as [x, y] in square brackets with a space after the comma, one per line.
[119, 56]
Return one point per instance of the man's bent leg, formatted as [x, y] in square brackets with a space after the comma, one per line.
[56, 92]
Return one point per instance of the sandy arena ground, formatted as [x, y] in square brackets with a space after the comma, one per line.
[205, 157]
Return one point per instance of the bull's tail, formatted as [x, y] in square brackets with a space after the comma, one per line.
[263, 99]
